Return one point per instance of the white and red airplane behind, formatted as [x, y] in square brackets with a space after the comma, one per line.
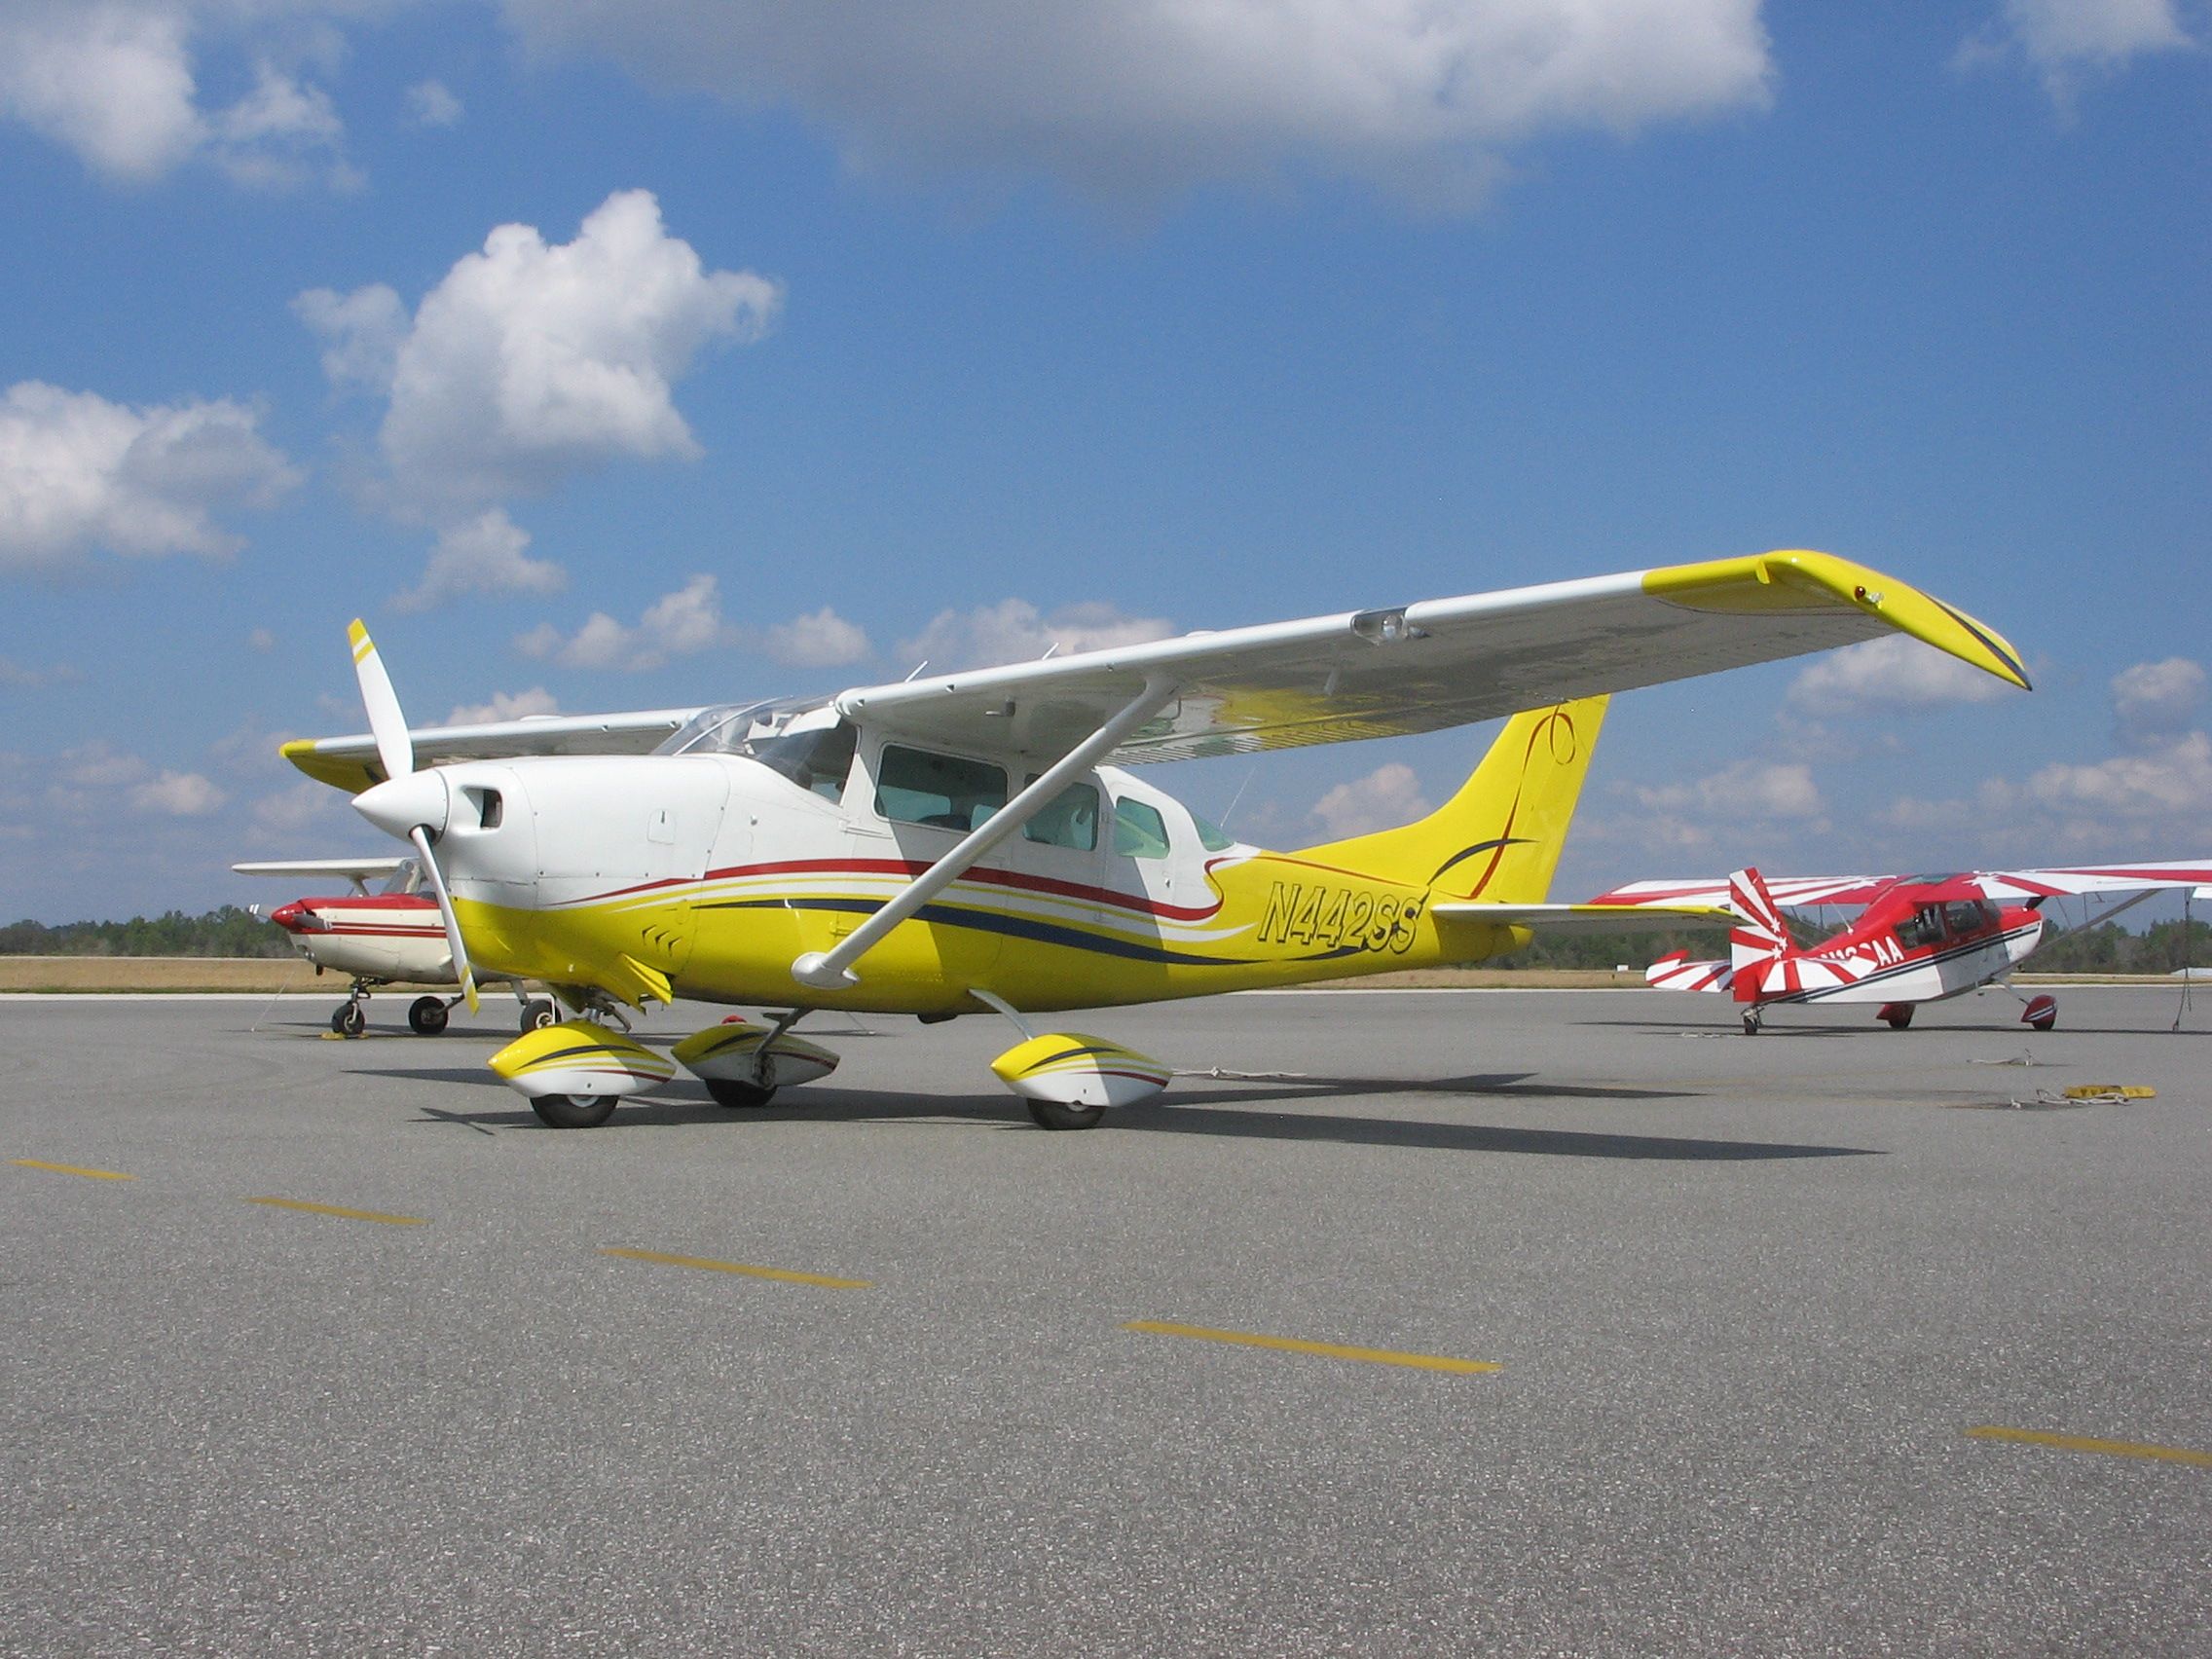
[1916, 939]
[394, 935]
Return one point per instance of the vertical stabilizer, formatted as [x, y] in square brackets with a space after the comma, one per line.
[1499, 837]
[1758, 943]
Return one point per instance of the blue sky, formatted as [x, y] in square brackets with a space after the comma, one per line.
[710, 352]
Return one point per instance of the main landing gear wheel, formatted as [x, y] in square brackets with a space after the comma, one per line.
[537, 1014]
[1898, 1018]
[573, 1111]
[427, 1016]
[739, 1096]
[1751, 1022]
[1051, 1114]
[351, 1019]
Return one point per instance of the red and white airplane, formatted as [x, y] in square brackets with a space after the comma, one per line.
[394, 935]
[1916, 939]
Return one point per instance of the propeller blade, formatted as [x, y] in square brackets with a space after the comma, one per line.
[394, 748]
[461, 969]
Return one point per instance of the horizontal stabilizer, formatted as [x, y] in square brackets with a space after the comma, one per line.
[1585, 919]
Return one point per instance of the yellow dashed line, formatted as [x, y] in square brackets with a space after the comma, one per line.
[714, 1266]
[349, 1214]
[2110, 1448]
[1330, 1351]
[75, 1169]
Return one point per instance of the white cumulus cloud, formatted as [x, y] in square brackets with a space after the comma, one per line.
[2155, 700]
[505, 706]
[1128, 97]
[1895, 673]
[1386, 798]
[1013, 631]
[678, 624]
[482, 555]
[822, 639]
[432, 103]
[79, 473]
[177, 794]
[532, 360]
[2064, 40]
[114, 81]
[2153, 800]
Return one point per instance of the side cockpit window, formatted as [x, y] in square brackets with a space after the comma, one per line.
[941, 791]
[816, 760]
[1069, 820]
[1139, 832]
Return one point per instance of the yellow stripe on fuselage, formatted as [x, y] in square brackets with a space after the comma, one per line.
[1268, 920]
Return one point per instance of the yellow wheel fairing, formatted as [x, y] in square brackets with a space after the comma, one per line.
[1802, 581]
[729, 1054]
[580, 1057]
[1069, 1068]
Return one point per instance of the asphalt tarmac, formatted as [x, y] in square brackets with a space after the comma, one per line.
[1809, 1344]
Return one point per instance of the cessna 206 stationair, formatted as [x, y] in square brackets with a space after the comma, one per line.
[960, 844]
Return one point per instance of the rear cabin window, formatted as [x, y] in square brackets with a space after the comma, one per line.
[1139, 832]
[1070, 819]
[941, 791]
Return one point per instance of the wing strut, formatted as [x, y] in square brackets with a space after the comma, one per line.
[832, 970]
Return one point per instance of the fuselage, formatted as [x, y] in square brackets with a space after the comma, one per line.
[707, 875]
[376, 937]
[1913, 944]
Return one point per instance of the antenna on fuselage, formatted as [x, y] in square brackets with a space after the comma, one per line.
[918, 667]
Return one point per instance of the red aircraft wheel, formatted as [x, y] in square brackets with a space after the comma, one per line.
[2041, 1013]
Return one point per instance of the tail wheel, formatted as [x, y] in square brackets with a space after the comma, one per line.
[573, 1111]
[427, 1016]
[1751, 1022]
[1051, 1114]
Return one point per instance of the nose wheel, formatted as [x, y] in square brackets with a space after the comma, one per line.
[350, 1018]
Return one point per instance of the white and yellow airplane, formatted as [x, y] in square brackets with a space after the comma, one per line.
[960, 844]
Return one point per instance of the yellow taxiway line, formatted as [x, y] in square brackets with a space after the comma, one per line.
[709, 1265]
[349, 1214]
[1331, 1351]
[75, 1169]
[2080, 1443]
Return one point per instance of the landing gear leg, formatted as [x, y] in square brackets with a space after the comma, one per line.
[352, 1018]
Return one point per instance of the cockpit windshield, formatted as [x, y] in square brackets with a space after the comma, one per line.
[801, 738]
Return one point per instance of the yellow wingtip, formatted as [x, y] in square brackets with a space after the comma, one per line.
[1800, 579]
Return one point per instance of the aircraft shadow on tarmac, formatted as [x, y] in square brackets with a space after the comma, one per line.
[1873, 1031]
[1220, 1111]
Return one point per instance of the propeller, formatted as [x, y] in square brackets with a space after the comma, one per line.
[408, 804]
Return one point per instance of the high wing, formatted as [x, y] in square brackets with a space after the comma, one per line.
[1423, 666]
[351, 762]
[2005, 886]
[307, 870]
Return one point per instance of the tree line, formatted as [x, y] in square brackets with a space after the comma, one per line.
[230, 930]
